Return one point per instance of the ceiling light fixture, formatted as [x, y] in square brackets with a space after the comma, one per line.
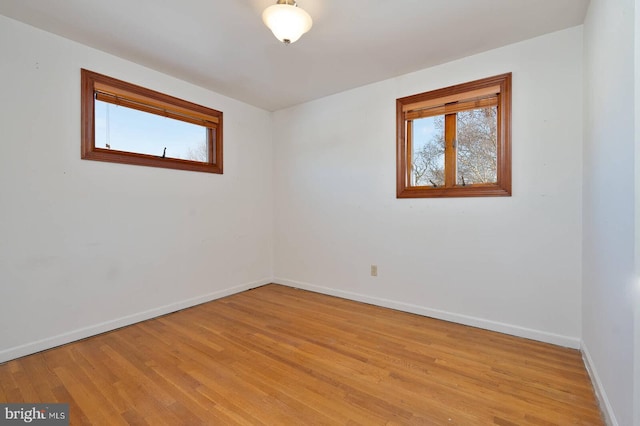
[287, 21]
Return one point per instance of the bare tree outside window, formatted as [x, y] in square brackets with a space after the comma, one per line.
[428, 154]
[198, 153]
[477, 149]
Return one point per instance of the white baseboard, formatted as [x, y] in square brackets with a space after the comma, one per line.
[605, 406]
[81, 333]
[514, 330]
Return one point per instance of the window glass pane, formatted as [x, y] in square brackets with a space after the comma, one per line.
[428, 151]
[477, 152]
[126, 129]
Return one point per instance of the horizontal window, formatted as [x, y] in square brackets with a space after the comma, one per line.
[125, 123]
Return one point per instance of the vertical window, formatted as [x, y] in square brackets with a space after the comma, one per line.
[456, 141]
[125, 123]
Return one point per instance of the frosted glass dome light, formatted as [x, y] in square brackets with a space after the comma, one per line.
[287, 21]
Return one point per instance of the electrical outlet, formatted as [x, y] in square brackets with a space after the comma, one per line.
[374, 270]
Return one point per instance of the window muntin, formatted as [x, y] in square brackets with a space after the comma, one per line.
[129, 124]
[456, 141]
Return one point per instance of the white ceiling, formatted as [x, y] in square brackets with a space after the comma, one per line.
[224, 46]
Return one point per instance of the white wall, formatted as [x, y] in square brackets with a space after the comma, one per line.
[509, 264]
[88, 246]
[609, 204]
[636, 351]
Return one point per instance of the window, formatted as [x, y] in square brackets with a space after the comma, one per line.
[456, 141]
[125, 123]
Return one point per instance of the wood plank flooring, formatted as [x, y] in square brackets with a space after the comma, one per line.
[281, 356]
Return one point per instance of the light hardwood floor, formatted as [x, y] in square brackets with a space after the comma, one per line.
[281, 356]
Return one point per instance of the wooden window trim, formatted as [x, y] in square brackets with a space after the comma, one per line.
[479, 92]
[102, 87]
